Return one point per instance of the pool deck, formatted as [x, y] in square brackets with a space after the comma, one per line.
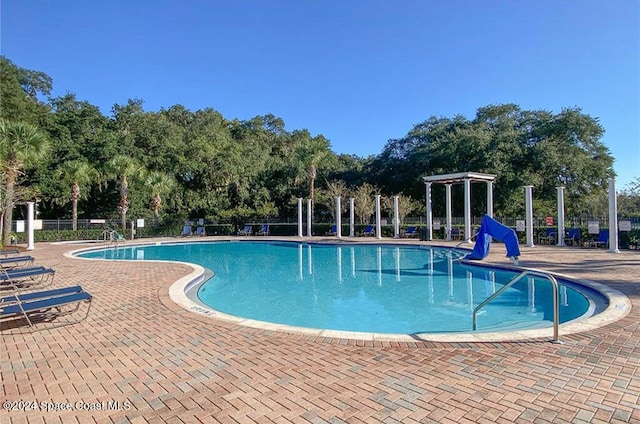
[163, 363]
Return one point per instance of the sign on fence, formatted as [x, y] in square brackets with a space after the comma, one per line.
[436, 224]
[520, 225]
[594, 227]
[549, 220]
[624, 225]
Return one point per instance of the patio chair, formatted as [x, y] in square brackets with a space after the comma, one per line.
[264, 231]
[549, 236]
[246, 231]
[186, 231]
[26, 277]
[16, 261]
[602, 240]
[411, 231]
[574, 237]
[333, 231]
[457, 234]
[200, 231]
[369, 230]
[44, 306]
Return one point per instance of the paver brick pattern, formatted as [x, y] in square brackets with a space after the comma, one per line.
[161, 363]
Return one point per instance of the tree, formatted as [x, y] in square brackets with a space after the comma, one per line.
[406, 206]
[337, 188]
[160, 184]
[364, 206]
[122, 167]
[311, 152]
[77, 175]
[21, 144]
[19, 93]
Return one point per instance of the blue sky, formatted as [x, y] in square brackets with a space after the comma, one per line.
[360, 72]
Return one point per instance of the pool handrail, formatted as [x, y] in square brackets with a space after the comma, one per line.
[556, 301]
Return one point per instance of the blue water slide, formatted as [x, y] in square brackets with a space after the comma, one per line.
[492, 228]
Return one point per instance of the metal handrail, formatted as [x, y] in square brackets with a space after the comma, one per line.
[556, 301]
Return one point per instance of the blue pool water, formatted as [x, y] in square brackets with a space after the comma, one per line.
[366, 288]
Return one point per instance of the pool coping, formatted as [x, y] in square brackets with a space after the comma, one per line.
[619, 304]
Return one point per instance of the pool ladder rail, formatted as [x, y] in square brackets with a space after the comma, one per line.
[528, 272]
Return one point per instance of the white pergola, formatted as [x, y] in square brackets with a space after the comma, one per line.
[448, 180]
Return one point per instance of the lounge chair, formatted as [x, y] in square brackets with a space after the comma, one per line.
[26, 277]
[246, 231]
[200, 231]
[264, 231]
[7, 252]
[186, 231]
[602, 240]
[16, 261]
[549, 236]
[457, 234]
[411, 231]
[574, 237]
[369, 230]
[332, 231]
[44, 306]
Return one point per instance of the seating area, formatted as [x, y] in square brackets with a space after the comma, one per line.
[23, 302]
[369, 230]
[16, 261]
[601, 241]
[548, 237]
[573, 237]
[411, 232]
[264, 230]
[246, 231]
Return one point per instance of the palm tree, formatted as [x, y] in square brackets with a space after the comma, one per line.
[20, 144]
[160, 184]
[311, 153]
[78, 174]
[122, 167]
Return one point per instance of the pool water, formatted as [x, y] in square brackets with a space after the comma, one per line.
[364, 288]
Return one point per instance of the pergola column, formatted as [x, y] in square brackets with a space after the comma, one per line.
[351, 217]
[429, 212]
[490, 198]
[338, 218]
[309, 204]
[396, 218]
[30, 225]
[528, 202]
[560, 216]
[613, 217]
[299, 216]
[467, 209]
[449, 214]
[378, 225]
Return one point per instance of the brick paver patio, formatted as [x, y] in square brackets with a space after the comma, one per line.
[158, 362]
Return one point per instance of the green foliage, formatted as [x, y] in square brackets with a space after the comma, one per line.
[521, 147]
[183, 163]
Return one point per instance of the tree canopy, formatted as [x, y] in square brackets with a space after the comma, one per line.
[182, 163]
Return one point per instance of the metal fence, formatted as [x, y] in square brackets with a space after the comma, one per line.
[98, 224]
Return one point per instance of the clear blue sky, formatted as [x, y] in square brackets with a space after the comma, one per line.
[359, 71]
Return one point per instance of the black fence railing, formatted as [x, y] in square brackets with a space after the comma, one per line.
[93, 229]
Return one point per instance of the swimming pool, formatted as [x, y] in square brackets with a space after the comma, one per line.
[385, 289]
